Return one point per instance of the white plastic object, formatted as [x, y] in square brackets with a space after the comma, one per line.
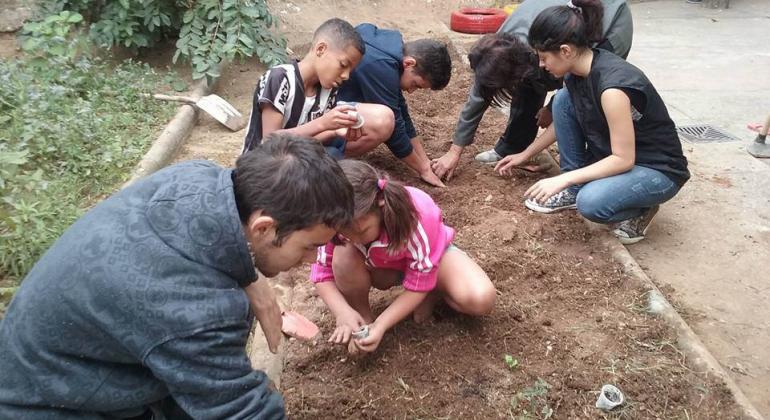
[609, 398]
[362, 332]
[359, 119]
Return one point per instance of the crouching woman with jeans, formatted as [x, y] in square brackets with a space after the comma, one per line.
[620, 155]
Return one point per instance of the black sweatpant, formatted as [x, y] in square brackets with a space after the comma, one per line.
[522, 122]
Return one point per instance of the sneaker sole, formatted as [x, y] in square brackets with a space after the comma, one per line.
[487, 162]
[547, 210]
[628, 241]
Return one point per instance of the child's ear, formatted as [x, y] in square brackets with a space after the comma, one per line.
[320, 48]
[381, 202]
[409, 62]
[565, 50]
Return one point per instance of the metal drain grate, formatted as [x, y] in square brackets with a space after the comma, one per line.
[704, 134]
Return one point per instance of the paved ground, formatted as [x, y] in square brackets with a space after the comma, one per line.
[711, 244]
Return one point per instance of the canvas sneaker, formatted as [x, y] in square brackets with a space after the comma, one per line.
[564, 200]
[633, 230]
[490, 156]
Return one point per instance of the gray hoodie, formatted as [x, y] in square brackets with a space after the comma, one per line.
[140, 299]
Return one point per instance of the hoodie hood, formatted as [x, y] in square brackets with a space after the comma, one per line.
[381, 43]
[196, 215]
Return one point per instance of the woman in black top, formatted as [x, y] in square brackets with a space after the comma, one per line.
[619, 151]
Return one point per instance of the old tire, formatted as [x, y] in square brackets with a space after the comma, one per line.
[472, 20]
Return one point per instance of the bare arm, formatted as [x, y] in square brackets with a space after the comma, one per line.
[519, 159]
[617, 109]
[321, 128]
[418, 160]
[404, 305]
[347, 318]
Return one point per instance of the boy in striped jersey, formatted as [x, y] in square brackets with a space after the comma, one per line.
[301, 97]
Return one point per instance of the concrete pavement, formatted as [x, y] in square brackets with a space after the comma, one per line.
[710, 246]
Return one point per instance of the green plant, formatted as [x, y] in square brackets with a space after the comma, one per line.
[70, 132]
[207, 32]
[510, 362]
[536, 397]
[53, 36]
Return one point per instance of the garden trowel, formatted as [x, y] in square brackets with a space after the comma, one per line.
[213, 105]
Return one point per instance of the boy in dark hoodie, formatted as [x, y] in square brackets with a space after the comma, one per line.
[143, 307]
[389, 67]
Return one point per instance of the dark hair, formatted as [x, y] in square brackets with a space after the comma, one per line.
[432, 61]
[293, 180]
[579, 25]
[341, 34]
[500, 62]
[399, 216]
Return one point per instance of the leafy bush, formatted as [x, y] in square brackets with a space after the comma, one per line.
[208, 32]
[70, 132]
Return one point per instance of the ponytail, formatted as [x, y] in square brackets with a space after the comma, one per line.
[398, 214]
[399, 217]
[578, 23]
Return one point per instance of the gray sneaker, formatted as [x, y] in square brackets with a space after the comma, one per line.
[633, 230]
[490, 156]
[566, 199]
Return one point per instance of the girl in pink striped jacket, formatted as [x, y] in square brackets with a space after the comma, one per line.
[398, 237]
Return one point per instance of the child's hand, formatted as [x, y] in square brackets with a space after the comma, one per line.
[370, 343]
[338, 118]
[346, 324]
[349, 134]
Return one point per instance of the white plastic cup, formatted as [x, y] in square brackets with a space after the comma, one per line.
[362, 332]
[353, 113]
[359, 119]
[609, 398]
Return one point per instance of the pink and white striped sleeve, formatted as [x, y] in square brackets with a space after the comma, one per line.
[321, 270]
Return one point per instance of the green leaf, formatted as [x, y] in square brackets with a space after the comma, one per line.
[510, 361]
[14, 158]
[179, 85]
[75, 18]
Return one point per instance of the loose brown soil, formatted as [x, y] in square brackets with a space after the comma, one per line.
[565, 311]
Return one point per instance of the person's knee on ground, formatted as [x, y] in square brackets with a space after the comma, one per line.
[350, 272]
[464, 285]
[379, 123]
[478, 300]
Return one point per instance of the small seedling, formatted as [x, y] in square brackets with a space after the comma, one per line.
[537, 398]
[511, 362]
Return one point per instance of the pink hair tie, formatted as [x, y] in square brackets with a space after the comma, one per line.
[381, 183]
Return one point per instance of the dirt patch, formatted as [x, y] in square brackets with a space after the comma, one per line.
[567, 315]
[565, 312]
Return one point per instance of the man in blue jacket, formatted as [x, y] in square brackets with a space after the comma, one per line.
[140, 309]
[389, 67]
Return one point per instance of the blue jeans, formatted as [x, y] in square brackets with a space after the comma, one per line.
[336, 148]
[612, 199]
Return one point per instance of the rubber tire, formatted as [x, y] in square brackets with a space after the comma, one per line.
[473, 20]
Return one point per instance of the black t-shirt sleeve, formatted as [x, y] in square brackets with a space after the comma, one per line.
[276, 90]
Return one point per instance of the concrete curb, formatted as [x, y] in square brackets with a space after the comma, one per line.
[257, 349]
[687, 340]
[173, 136]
